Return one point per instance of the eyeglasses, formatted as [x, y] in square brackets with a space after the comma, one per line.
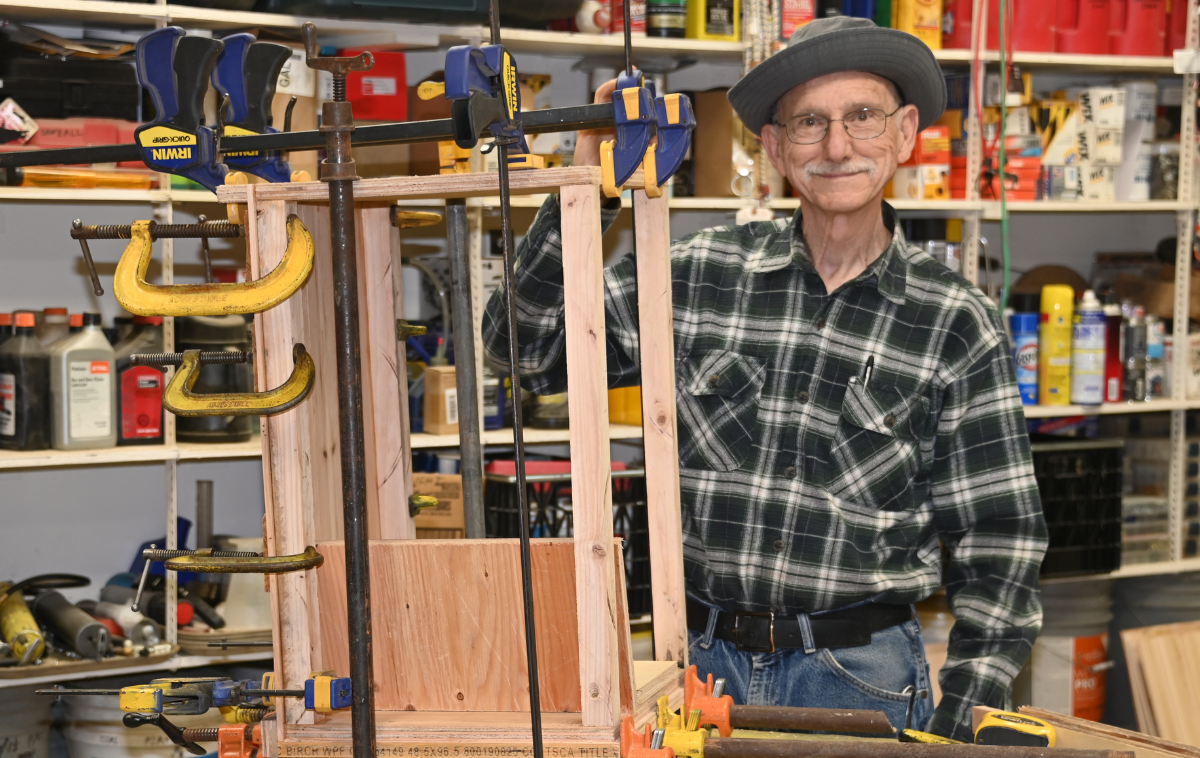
[809, 129]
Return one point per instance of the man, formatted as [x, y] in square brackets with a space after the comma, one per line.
[850, 432]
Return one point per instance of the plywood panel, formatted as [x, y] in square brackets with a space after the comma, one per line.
[657, 357]
[1076, 733]
[590, 463]
[448, 624]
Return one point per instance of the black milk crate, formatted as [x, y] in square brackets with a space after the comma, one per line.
[550, 516]
[1080, 485]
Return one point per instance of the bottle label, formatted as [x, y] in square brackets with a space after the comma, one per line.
[1025, 357]
[666, 14]
[141, 403]
[718, 20]
[89, 399]
[8, 405]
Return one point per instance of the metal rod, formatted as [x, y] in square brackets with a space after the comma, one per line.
[878, 748]
[166, 555]
[205, 255]
[466, 369]
[514, 364]
[204, 513]
[771, 717]
[223, 229]
[207, 358]
[628, 39]
[97, 289]
[566, 119]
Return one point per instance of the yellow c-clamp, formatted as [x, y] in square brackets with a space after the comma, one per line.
[140, 297]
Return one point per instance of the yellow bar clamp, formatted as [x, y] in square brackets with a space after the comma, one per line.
[608, 175]
[141, 298]
[686, 739]
[180, 400]
[276, 564]
[142, 698]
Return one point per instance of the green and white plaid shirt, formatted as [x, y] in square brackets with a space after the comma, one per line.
[806, 488]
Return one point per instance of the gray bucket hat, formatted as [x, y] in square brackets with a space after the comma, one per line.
[843, 43]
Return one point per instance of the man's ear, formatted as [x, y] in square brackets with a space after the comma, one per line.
[772, 137]
[908, 119]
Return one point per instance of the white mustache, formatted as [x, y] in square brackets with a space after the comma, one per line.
[863, 166]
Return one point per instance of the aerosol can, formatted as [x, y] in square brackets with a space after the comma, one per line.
[1054, 364]
[1087, 351]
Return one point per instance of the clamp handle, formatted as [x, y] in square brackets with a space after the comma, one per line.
[698, 696]
[182, 401]
[141, 298]
[174, 733]
[338, 66]
[636, 120]
[175, 69]
[675, 124]
[247, 72]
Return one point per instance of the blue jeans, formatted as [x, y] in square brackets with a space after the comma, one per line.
[871, 677]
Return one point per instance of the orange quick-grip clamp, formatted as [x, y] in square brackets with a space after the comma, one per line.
[239, 741]
[635, 744]
[697, 695]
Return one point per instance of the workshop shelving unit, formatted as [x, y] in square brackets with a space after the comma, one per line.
[342, 32]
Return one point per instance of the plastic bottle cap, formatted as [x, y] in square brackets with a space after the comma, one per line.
[24, 319]
[76, 319]
[91, 319]
[152, 320]
[184, 612]
[6, 319]
[55, 311]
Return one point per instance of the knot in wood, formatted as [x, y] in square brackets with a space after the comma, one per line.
[661, 419]
[594, 690]
[598, 550]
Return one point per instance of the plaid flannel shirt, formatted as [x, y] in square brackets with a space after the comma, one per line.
[806, 485]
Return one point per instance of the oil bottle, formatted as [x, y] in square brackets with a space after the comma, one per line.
[82, 389]
[140, 388]
[24, 389]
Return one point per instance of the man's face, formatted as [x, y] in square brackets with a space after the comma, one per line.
[840, 174]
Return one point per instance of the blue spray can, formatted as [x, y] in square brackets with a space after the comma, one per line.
[1023, 324]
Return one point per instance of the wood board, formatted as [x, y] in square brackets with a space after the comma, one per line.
[458, 602]
[1164, 674]
[1077, 733]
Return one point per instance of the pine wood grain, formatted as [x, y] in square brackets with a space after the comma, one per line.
[456, 185]
[657, 357]
[583, 261]
[1164, 674]
[1077, 733]
[447, 620]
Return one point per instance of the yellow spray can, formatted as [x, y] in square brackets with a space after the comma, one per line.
[19, 628]
[1054, 370]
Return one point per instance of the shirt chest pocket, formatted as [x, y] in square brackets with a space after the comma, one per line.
[876, 455]
[718, 394]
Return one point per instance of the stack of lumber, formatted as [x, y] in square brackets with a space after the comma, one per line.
[1164, 674]
[1077, 733]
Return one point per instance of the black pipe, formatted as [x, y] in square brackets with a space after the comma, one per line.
[466, 369]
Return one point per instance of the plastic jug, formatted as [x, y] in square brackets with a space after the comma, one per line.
[1032, 25]
[1083, 26]
[1176, 26]
[1137, 27]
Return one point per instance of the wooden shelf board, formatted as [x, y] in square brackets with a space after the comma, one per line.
[1108, 409]
[10, 459]
[991, 208]
[421, 441]
[171, 664]
[1103, 64]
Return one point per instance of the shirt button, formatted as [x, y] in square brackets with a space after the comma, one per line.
[790, 472]
[889, 421]
[778, 545]
[714, 380]
[821, 323]
[802, 397]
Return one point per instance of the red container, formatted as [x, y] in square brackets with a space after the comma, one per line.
[1176, 27]
[1137, 27]
[956, 24]
[380, 94]
[1032, 25]
[1083, 26]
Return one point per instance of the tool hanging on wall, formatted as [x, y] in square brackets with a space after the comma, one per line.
[179, 398]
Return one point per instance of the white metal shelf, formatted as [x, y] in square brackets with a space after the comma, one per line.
[1101, 64]
[1138, 569]
[183, 451]
[1109, 409]
[171, 664]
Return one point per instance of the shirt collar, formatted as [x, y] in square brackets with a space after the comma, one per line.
[890, 269]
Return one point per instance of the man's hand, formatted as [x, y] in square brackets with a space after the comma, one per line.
[587, 141]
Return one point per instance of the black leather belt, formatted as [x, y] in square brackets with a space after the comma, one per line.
[764, 632]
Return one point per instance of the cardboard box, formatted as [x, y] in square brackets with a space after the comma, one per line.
[713, 139]
[446, 520]
[372, 161]
[1157, 295]
[441, 400]
[1097, 183]
[926, 182]
[1102, 106]
[1060, 183]
[1100, 145]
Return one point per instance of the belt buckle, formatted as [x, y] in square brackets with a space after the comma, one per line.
[770, 616]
